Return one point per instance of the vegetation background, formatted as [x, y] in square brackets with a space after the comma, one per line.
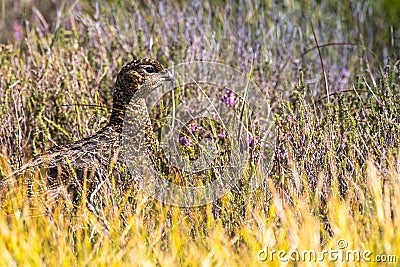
[329, 69]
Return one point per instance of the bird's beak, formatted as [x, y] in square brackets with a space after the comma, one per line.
[166, 75]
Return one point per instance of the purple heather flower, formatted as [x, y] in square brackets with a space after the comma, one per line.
[185, 141]
[282, 154]
[253, 141]
[190, 110]
[221, 135]
[18, 31]
[344, 73]
[193, 127]
[229, 98]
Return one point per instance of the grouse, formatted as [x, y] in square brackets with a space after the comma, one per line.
[94, 164]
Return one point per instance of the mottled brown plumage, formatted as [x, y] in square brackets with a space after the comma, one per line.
[95, 162]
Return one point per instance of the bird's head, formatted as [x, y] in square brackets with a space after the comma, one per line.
[136, 80]
[140, 76]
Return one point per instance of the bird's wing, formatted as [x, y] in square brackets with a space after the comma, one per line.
[92, 152]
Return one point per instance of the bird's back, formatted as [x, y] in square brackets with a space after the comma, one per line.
[93, 165]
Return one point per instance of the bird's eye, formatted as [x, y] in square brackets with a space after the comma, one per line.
[149, 69]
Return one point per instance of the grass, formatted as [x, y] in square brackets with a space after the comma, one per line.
[335, 173]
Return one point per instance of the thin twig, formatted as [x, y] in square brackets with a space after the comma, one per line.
[322, 63]
[86, 105]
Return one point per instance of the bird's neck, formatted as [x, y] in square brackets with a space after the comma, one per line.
[121, 100]
[117, 115]
[135, 104]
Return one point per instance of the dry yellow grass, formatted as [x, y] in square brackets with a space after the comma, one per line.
[154, 233]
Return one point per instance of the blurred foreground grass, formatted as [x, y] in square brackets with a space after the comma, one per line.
[336, 166]
[157, 234]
